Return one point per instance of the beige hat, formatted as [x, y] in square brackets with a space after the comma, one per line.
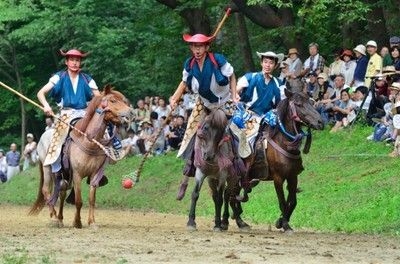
[360, 48]
[389, 70]
[323, 76]
[145, 120]
[29, 135]
[279, 57]
[293, 51]
[395, 86]
[372, 43]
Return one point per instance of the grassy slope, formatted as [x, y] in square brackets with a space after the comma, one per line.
[349, 185]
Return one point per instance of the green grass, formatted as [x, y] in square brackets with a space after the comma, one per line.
[349, 185]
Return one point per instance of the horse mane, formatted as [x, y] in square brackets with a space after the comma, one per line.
[90, 110]
[218, 119]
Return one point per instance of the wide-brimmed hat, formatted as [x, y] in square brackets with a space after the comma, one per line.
[284, 63]
[372, 43]
[323, 76]
[395, 86]
[380, 77]
[145, 120]
[29, 135]
[293, 51]
[389, 70]
[360, 48]
[270, 54]
[346, 52]
[197, 38]
[396, 121]
[73, 52]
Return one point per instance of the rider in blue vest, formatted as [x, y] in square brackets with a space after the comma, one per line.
[72, 90]
[211, 77]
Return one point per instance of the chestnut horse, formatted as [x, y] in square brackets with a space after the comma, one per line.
[283, 155]
[86, 158]
[214, 159]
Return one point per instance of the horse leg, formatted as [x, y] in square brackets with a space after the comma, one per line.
[92, 203]
[217, 195]
[292, 198]
[282, 222]
[199, 179]
[63, 194]
[78, 202]
[225, 215]
[48, 180]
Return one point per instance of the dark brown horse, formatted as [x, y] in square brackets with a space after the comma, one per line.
[283, 153]
[86, 158]
[213, 158]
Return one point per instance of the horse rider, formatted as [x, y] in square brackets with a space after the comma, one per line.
[259, 93]
[72, 90]
[212, 78]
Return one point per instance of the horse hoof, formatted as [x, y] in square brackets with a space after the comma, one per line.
[191, 228]
[217, 229]
[279, 223]
[244, 227]
[93, 226]
[224, 226]
[77, 225]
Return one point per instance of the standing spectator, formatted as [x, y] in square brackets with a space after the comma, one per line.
[336, 66]
[395, 52]
[49, 123]
[394, 41]
[315, 62]
[386, 59]
[348, 66]
[361, 66]
[374, 64]
[294, 72]
[146, 130]
[30, 154]
[141, 113]
[12, 158]
[163, 109]
[284, 74]
[3, 167]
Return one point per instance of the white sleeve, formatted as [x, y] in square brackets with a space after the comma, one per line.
[185, 75]
[242, 82]
[54, 79]
[227, 69]
[92, 84]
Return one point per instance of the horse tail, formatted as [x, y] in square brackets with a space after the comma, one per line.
[40, 201]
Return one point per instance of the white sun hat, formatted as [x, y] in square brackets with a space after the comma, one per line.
[271, 54]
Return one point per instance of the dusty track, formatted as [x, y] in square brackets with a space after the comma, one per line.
[135, 237]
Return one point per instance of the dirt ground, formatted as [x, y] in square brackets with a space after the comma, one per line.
[137, 237]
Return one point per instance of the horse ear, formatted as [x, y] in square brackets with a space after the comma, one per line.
[107, 89]
[288, 93]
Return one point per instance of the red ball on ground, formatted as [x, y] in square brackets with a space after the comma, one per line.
[127, 183]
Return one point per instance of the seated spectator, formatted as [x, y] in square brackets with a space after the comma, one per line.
[176, 133]
[348, 66]
[323, 87]
[144, 140]
[30, 154]
[158, 136]
[189, 101]
[311, 86]
[130, 143]
[359, 95]
[395, 52]
[344, 111]
[163, 109]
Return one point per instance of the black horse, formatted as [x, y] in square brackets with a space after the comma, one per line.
[214, 159]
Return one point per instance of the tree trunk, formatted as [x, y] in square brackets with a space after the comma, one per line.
[244, 43]
[377, 25]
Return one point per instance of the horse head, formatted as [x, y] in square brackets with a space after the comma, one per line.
[302, 110]
[116, 107]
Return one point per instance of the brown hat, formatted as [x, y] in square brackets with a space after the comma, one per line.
[293, 51]
[347, 52]
[395, 86]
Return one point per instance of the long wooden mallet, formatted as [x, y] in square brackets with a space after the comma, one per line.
[54, 116]
[137, 173]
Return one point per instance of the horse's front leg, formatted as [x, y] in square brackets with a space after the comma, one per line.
[78, 200]
[292, 197]
[92, 203]
[63, 194]
[48, 179]
[225, 215]
[199, 179]
[282, 222]
[217, 194]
